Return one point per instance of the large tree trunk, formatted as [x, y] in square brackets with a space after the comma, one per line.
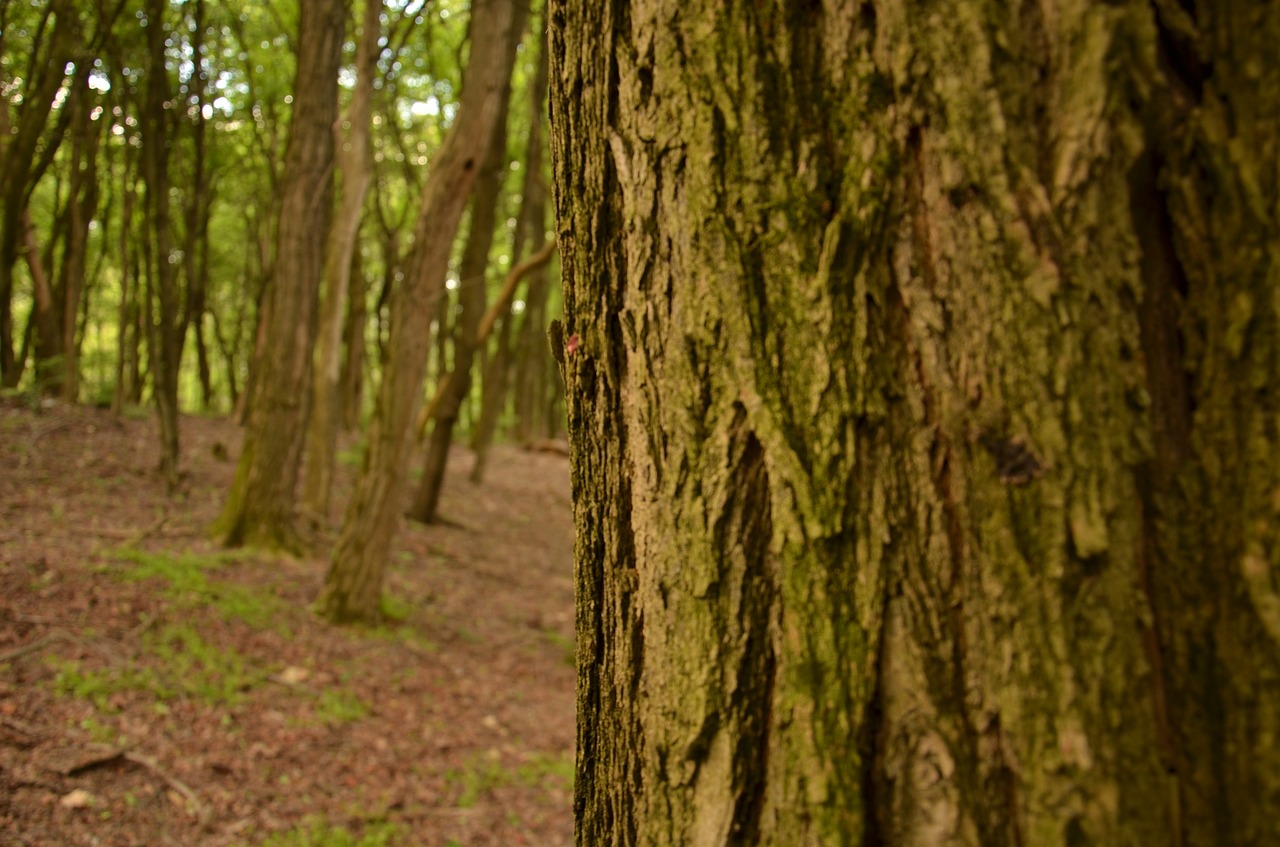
[926, 446]
[260, 508]
[356, 171]
[353, 585]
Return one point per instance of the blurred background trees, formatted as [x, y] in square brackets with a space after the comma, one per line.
[159, 203]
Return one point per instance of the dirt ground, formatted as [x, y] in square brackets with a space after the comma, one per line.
[155, 690]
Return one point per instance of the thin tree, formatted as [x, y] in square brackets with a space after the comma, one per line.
[27, 148]
[921, 369]
[353, 585]
[165, 322]
[531, 228]
[355, 170]
[260, 507]
[472, 296]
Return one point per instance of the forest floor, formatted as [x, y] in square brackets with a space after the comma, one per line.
[156, 690]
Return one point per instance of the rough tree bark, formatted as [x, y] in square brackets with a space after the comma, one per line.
[353, 584]
[355, 169]
[926, 453]
[260, 508]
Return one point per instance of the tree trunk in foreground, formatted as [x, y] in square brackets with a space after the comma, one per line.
[926, 451]
[260, 508]
[353, 585]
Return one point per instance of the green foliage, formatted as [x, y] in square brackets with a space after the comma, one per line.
[317, 832]
[189, 585]
[188, 667]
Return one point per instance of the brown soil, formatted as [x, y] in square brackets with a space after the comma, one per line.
[126, 720]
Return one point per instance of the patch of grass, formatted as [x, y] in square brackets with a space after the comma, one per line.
[395, 611]
[100, 733]
[477, 779]
[191, 668]
[352, 457]
[563, 643]
[186, 574]
[484, 774]
[317, 832]
[71, 679]
[394, 608]
[197, 669]
[338, 705]
[547, 766]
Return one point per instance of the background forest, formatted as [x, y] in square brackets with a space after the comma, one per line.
[143, 161]
[261, 265]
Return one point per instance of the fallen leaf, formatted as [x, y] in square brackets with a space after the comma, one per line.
[293, 675]
[77, 799]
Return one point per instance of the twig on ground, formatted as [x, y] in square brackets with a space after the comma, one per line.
[20, 726]
[132, 537]
[49, 428]
[105, 756]
[38, 644]
[193, 800]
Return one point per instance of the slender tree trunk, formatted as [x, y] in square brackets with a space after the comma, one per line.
[82, 206]
[351, 382]
[353, 585]
[472, 294]
[22, 162]
[260, 507]
[921, 382]
[531, 227]
[531, 366]
[46, 317]
[355, 169]
[126, 341]
[199, 204]
[497, 383]
[165, 353]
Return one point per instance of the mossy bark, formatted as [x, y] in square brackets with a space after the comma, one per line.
[926, 463]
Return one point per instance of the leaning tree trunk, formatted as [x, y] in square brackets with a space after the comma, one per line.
[260, 508]
[353, 585]
[921, 383]
[472, 293]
